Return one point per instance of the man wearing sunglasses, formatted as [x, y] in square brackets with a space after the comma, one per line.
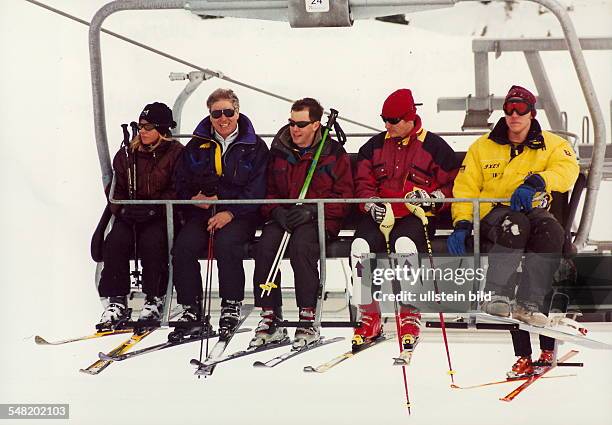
[520, 161]
[291, 155]
[225, 159]
[404, 161]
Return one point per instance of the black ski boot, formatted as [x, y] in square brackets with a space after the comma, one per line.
[230, 316]
[190, 324]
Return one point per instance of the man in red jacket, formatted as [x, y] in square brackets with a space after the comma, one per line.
[291, 155]
[404, 161]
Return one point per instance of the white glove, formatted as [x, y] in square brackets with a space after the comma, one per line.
[415, 195]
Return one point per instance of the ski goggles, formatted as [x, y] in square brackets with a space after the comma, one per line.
[148, 126]
[299, 124]
[391, 121]
[521, 107]
[216, 114]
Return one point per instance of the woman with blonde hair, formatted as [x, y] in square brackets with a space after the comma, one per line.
[143, 170]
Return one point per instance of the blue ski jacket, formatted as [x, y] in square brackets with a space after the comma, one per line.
[238, 173]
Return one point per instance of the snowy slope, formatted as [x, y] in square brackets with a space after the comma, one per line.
[51, 183]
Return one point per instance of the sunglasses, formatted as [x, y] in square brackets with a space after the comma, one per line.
[216, 114]
[391, 121]
[148, 126]
[519, 106]
[300, 124]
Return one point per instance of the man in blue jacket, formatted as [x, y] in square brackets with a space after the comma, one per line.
[225, 159]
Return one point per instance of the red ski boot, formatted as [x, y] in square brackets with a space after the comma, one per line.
[370, 327]
[523, 367]
[410, 327]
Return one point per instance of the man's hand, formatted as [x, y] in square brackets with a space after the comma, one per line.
[456, 241]
[417, 194]
[219, 220]
[201, 197]
[377, 211]
[522, 198]
[279, 214]
[301, 214]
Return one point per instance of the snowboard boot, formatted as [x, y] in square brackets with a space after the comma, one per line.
[230, 316]
[522, 368]
[268, 331]
[410, 327]
[306, 335]
[498, 306]
[529, 313]
[370, 326]
[115, 313]
[152, 309]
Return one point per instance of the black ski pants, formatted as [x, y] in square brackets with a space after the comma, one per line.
[228, 245]
[119, 248]
[303, 251]
[539, 236]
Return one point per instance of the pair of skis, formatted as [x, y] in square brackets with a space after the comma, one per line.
[216, 356]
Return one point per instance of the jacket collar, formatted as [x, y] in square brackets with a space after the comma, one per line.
[534, 139]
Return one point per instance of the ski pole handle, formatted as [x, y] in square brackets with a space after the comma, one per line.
[333, 114]
[134, 126]
[126, 135]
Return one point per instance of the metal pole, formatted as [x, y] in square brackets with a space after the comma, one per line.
[596, 169]
[95, 63]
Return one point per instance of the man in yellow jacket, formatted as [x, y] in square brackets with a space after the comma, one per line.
[520, 161]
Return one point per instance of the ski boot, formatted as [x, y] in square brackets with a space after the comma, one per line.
[370, 326]
[529, 313]
[308, 334]
[498, 306]
[190, 324]
[522, 368]
[115, 314]
[268, 331]
[230, 316]
[152, 309]
[546, 359]
[409, 330]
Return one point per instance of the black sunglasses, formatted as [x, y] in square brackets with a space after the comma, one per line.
[391, 121]
[216, 114]
[148, 126]
[300, 124]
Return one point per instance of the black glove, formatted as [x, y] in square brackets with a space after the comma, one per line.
[138, 214]
[377, 211]
[279, 214]
[301, 214]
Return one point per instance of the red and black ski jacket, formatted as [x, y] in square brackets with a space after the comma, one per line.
[390, 168]
[287, 170]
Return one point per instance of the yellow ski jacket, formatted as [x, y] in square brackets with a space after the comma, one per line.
[493, 168]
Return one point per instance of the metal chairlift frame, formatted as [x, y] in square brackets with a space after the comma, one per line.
[356, 9]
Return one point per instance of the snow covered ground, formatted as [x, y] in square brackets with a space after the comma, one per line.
[53, 198]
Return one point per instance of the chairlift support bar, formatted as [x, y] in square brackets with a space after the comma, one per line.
[595, 175]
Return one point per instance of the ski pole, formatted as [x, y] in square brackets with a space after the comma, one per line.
[267, 287]
[131, 172]
[385, 228]
[207, 290]
[420, 214]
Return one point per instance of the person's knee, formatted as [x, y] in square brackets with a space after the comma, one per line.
[513, 230]
[547, 236]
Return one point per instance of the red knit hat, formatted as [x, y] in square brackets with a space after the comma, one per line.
[400, 104]
[518, 92]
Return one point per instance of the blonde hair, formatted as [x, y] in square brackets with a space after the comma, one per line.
[136, 142]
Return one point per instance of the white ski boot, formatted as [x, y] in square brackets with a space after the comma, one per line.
[268, 330]
[115, 312]
[306, 335]
[152, 309]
